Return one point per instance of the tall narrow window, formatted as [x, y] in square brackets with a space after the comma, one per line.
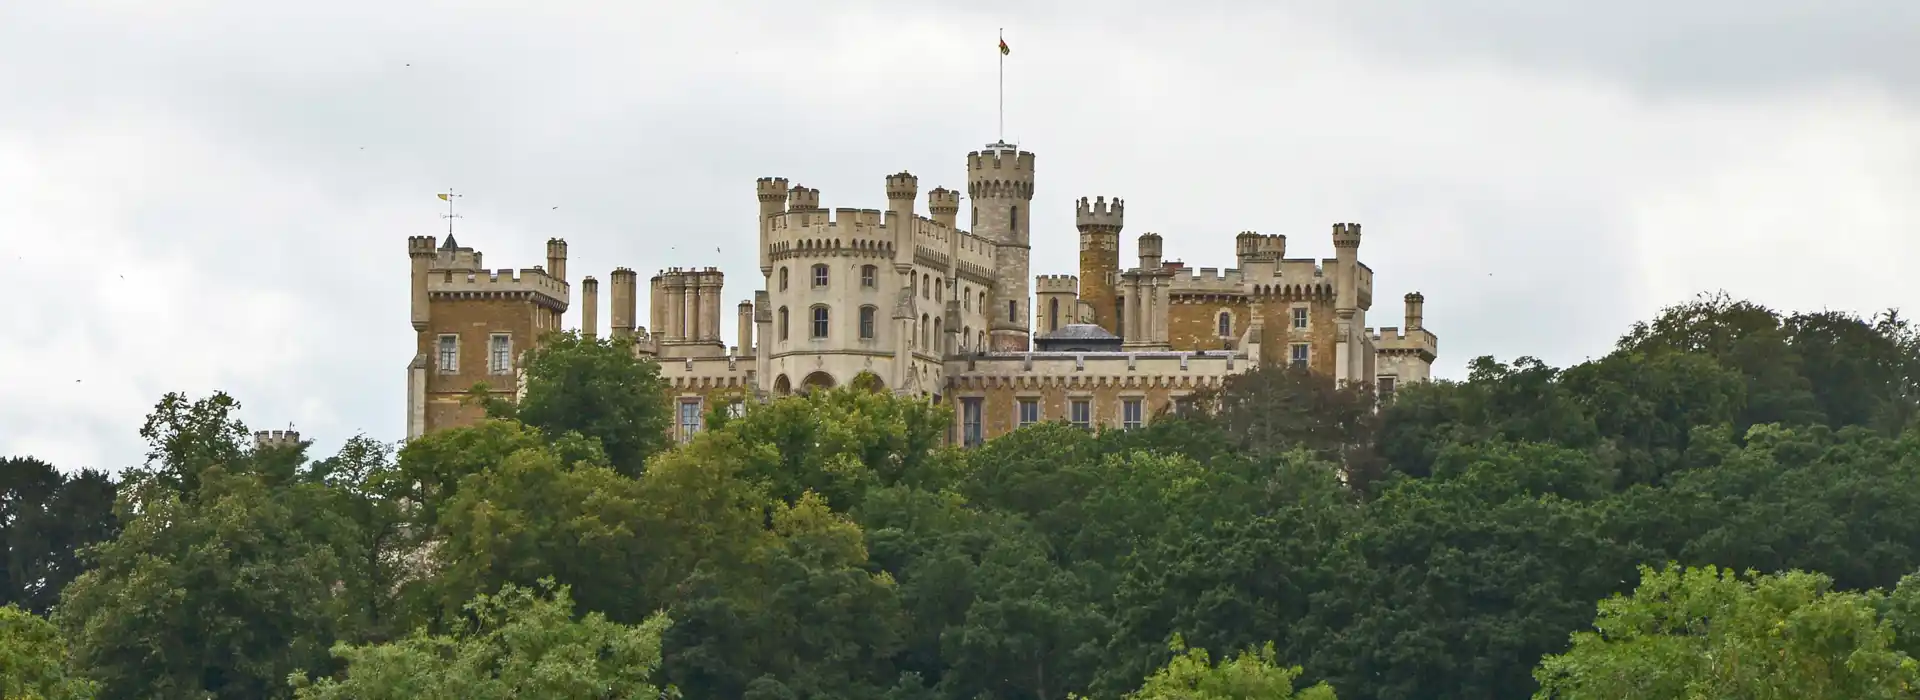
[1010, 310]
[1029, 412]
[1132, 414]
[1053, 314]
[819, 276]
[689, 419]
[783, 278]
[1013, 218]
[926, 286]
[1386, 389]
[869, 316]
[983, 302]
[939, 286]
[783, 323]
[981, 337]
[449, 354]
[869, 276]
[820, 322]
[966, 299]
[926, 332]
[500, 353]
[1226, 325]
[1300, 317]
[1082, 414]
[1299, 355]
[970, 421]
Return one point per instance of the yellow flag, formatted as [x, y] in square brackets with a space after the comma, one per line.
[443, 197]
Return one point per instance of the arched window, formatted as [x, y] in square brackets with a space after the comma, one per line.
[819, 275]
[938, 285]
[868, 321]
[926, 286]
[783, 278]
[1053, 314]
[939, 340]
[1013, 218]
[783, 322]
[983, 303]
[913, 285]
[1010, 311]
[1226, 325]
[966, 298]
[869, 276]
[966, 337]
[981, 341]
[820, 324]
[926, 332]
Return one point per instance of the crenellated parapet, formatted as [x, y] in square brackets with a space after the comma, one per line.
[275, 439]
[1133, 370]
[1417, 342]
[1056, 284]
[1099, 216]
[533, 284]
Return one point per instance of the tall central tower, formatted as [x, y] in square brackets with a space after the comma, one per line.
[1099, 224]
[1000, 183]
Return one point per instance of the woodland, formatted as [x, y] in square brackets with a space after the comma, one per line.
[1725, 505]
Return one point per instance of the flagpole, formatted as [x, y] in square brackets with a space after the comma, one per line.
[1003, 84]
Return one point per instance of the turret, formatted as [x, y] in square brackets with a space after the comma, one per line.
[943, 205]
[772, 192]
[902, 188]
[1000, 181]
[1416, 311]
[1346, 250]
[623, 302]
[590, 307]
[1150, 251]
[275, 439]
[557, 258]
[803, 198]
[1100, 223]
[743, 335]
[420, 254]
[1059, 299]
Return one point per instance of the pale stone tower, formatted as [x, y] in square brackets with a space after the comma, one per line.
[1000, 180]
[1100, 224]
[1058, 297]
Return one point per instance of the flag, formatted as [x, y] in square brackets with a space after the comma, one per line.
[1003, 48]
[443, 197]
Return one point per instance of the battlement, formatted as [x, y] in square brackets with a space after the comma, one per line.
[1001, 158]
[943, 201]
[902, 185]
[1417, 341]
[771, 189]
[1098, 216]
[1056, 284]
[704, 277]
[275, 439]
[803, 198]
[419, 246]
[1121, 369]
[1252, 246]
[1346, 235]
[531, 279]
[1209, 280]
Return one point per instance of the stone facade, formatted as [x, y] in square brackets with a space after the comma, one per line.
[934, 311]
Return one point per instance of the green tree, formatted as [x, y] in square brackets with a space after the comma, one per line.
[33, 660]
[1273, 409]
[515, 644]
[1706, 632]
[1253, 675]
[599, 388]
[1746, 337]
[46, 518]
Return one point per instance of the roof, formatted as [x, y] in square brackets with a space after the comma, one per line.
[1079, 331]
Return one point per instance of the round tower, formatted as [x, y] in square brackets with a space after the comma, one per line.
[1000, 180]
[1100, 223]
[943, 205]
[803, 198]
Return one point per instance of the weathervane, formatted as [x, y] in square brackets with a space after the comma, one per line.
[448, 197]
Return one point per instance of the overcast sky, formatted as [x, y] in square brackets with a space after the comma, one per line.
[200, 196]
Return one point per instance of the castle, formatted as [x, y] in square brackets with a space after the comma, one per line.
[932, 310]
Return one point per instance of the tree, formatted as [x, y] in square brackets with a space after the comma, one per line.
[185, 437]
[1705, 632]
[513, 645]
[33, 660]
[599, 388]
[1279, 408]
[46, 518]
[1253, 675]
[1746, 337]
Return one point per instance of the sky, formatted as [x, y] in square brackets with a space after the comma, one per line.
[202, 196]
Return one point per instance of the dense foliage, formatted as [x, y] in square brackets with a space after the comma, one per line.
[1530, 530]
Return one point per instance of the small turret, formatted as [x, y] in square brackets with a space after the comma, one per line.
[802, 198]
[1346, 235]
[1416, 311]
[275, 439]
[557, 258]
[902, 186]
[1098, 216]
[1150, 251]
[420, 253]
[944, 205]
[1059, 298]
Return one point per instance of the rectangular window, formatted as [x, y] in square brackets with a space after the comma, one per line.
[868, 320]
[1299, 355]
[1131, 415]
[869, 276]
[737, 409]
[500, 354]
[1029, 412]
[1182, 405]
[449, 354]
[820, 324]
[689, 419]
[819, 275]
[970, 421]
[1082, 416]
[1386, 388]
[1299, 317]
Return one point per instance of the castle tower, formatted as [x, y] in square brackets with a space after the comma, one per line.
[474, 326]
[772, 192]
[557, 259]
[803, 198]
[1059, 298]
[590, 307]
[1100, 224]
[943, 205]
[1347, 364]
[1000, 180]
[275, 439]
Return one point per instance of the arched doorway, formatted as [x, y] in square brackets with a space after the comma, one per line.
[782, 386]
[817, 380]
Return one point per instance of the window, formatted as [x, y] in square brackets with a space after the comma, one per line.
[1082, 416]
[783, 279]
[1299, 317]
[819, 276]
[983, 302]
[689, 419]
[1029, 412]
[869, 276]
[1300, 354]
[939, 340]
[820, 322]
[1386, 388]
[913, 285]
[926, 286]
[868, 319]
[737, 409]
[1053, 314]
[970, 421]
[975, 221]
[1182, 405]
[982, 337]
[926, 332]
[1226, 325]
[1131, 414]
[449, 354]
[938, 285]
[500, 353]
[1120, 317]
[1010, 311]
[966, 299]
[783, 323]
[1013, 218]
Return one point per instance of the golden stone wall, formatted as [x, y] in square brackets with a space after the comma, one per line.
[474, 321]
